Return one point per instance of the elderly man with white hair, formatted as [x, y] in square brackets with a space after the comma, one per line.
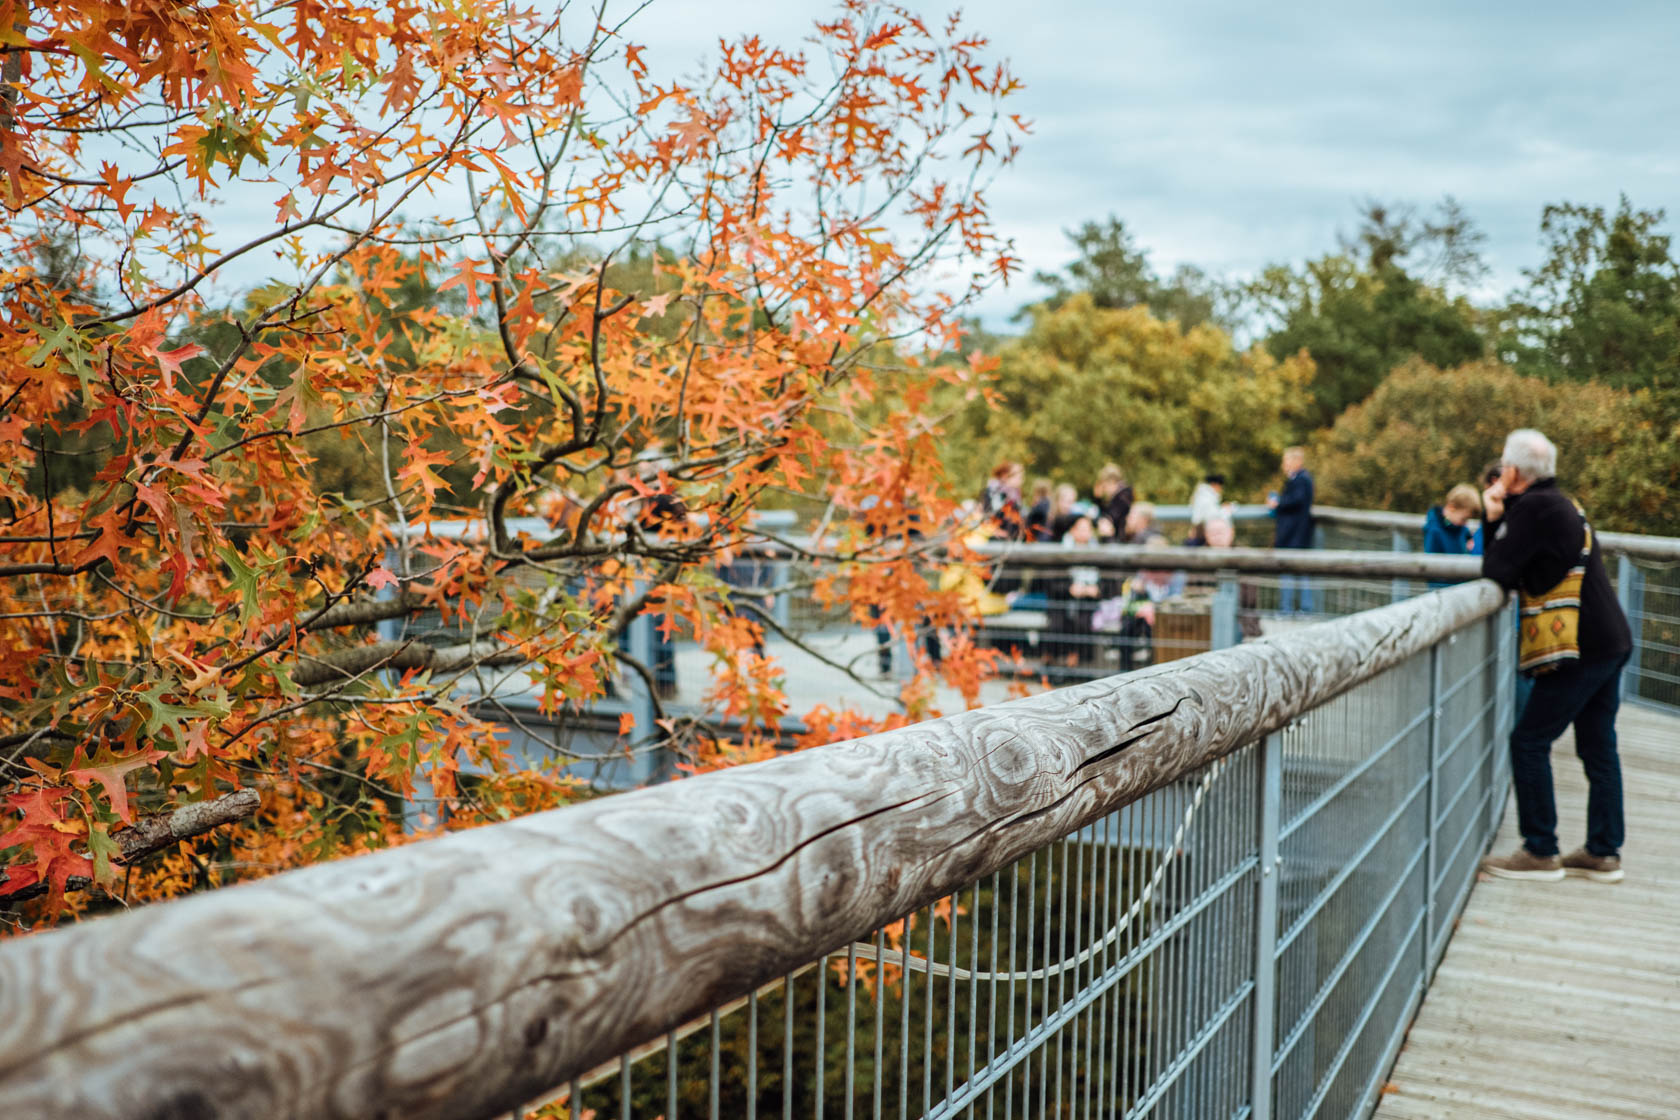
[1573, 642]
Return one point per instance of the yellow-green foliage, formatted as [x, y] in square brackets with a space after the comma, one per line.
[1424, 429]
[1086, 385]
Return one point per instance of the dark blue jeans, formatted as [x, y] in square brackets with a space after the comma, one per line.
[1585, 693]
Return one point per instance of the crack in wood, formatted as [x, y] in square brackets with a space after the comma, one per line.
[587, 919]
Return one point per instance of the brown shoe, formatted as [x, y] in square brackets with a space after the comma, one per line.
[1524, 864]
[1600, 869]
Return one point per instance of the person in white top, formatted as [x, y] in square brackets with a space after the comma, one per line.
[1206, 504]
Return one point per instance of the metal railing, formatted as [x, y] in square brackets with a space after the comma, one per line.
[1053, 631]
[1216, 887]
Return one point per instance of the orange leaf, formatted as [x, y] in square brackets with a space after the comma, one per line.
[111, 772]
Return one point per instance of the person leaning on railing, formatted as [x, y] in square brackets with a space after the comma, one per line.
[1574, 641]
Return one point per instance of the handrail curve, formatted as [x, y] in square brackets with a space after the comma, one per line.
[459, 976]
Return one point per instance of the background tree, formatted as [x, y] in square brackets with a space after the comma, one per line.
[1115, 272]
[435, 298]
[1425, 429]
[1363, 311]
[1086, 385]
[1604, 304]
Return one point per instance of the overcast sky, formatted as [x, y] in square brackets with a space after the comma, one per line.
[1230, 134]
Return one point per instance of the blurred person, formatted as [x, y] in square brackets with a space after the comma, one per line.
[1139, 525]
[1000, 500]
[1574, 641]
[1221, 532]
[1113, 500]
[1065, 509]
[1037, 520]
[1446, 527]
[1206, 503]
[1073, 598]
[1141, 595]
[1489, 476]
[1294, 529]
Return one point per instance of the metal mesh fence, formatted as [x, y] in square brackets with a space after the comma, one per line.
[1249, 941]
[1650, 594]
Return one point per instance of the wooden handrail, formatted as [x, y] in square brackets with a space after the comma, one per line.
[457, 977]
[1640, 546]
[1323, 562]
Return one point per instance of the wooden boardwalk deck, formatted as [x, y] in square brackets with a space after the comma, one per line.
[1561, 1001]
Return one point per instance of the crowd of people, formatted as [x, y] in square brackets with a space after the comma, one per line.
[1573, 637]
[1112, 513]
[1085, 600]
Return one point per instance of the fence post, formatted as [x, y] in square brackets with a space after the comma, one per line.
[640, 643]
[781, 571]
[1630, 593]
[1502, 627]
[1431, 851]
[1223, 631]
[1265, 929]
[1399, 589]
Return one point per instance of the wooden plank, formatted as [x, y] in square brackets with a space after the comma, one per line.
[461, 976]
[1562, 1000]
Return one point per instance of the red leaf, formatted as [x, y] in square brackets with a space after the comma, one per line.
[170, 360]
[381, 577]
[47, 836]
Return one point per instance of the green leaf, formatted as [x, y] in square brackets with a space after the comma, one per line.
[244, 581]
[104, 850]
[69, 345]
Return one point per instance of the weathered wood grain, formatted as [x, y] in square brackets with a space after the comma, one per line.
[457, 977]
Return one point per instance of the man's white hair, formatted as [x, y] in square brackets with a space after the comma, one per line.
[1532, 454]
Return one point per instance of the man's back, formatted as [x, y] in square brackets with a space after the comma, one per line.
[1294, 512]
[1534, 546]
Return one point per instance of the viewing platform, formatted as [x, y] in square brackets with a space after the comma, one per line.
[1561, 1001]
[1220, 886]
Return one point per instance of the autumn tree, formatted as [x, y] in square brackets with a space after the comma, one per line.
[1086, 385]
[243, 241]
[1425, 429]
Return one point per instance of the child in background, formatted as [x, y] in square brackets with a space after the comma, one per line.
[1446, 528]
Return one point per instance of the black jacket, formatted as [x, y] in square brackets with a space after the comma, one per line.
[1533, 547]
[1118, 505]
[1294, 512]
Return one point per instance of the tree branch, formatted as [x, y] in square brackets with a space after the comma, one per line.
[347, 664]
[155, 833]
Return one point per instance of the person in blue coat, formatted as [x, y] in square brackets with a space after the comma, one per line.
[1293, 510]
[1446, 527]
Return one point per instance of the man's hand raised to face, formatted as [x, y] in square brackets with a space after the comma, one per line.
[1493, 501]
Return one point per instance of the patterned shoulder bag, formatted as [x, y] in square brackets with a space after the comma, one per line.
[1550, 633]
